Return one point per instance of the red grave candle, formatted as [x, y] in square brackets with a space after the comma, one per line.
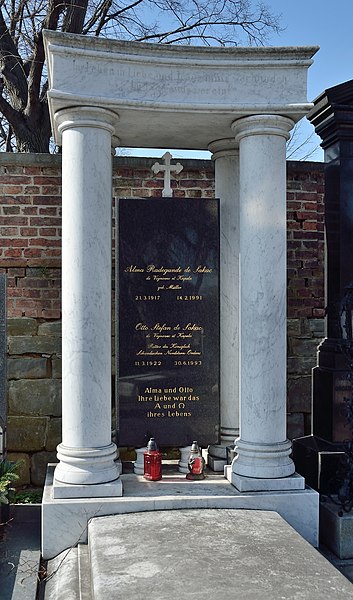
[152, 459]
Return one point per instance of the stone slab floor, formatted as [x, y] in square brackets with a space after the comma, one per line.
[20, 554]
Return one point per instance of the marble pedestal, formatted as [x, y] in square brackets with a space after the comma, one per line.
[64, 521]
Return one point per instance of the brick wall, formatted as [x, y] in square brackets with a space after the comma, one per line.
[30, 255]
[305, 270]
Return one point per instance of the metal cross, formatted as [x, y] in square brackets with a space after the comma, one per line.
[168, 169]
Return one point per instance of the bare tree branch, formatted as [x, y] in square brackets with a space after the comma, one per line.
[12, 67]
[23, 83]
[75, 16]
[301, 145]
[11, 114]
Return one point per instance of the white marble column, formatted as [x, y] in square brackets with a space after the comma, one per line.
[263, 449]
[87, 455]
[226, 158]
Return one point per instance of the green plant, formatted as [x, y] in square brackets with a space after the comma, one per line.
[8, 475]
[28, 497]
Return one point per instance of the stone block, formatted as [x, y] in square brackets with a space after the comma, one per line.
[293, 327]
[295, 425]
[304, 347]
[26, 434]
[299, 394]
[54, 435]
[317, 327]
[21, 326]
[27, 368]
[305, 327]
[39, 463]
[43, 344]
[24, 468]
[297, 365]
[50, 328]
[37, 397]
[56, 368]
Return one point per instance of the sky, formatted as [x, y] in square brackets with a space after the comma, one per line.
[307, 23]
[319, 23]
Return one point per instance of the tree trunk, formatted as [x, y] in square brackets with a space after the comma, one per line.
[35, 131]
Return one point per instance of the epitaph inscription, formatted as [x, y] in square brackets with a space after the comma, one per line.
[168, 321]
[131, 81]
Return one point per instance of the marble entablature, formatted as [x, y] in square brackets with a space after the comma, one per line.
[191, 93]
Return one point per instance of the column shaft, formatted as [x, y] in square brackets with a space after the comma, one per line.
[263, 450]
[226, 159]
[86, 454]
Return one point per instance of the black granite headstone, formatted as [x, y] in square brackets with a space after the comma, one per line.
[168, 298]
[332, 117]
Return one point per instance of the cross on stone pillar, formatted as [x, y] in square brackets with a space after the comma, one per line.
[168, 169]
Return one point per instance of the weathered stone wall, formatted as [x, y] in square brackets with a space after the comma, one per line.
[34, 394]
[30, 255]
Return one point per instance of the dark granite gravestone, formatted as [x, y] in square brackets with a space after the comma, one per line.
[332, 117]
[168, 297]
[3, 378]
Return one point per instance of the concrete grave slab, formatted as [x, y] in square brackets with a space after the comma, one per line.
[198, 554]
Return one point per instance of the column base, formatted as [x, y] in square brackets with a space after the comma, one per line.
[183, 465]
[87, 466]
[228, 435]
[218, 456]
[96, 490]
[263, 461]
[139, 464]
[253, 484]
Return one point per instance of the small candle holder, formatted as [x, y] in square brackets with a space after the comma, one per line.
[196, 463]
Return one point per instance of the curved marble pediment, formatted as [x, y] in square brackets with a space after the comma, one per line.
[175, 96]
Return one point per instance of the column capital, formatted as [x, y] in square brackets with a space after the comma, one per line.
[224, 147]
[262, 125]
[87, 116]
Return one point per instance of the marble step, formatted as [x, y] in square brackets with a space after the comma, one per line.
[63, 582]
